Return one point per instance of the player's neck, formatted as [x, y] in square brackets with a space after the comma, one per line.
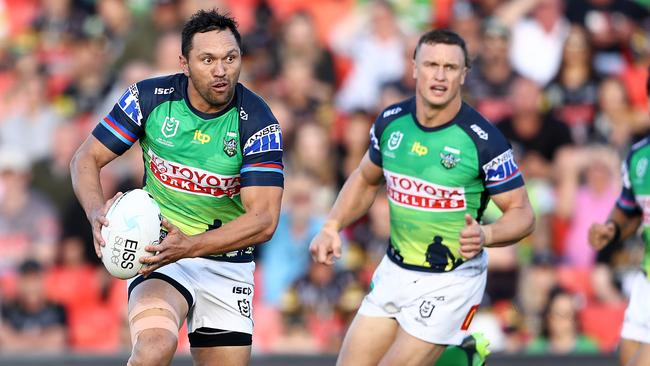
[429, 115]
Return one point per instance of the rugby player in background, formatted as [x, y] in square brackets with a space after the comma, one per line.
[632, 210]
[441, 162]
[213, 162]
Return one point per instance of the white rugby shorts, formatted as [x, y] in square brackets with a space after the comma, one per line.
[636, 326]
[435, 307]
[219, 293]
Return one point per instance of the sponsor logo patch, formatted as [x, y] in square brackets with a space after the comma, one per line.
[419, 149]
[411, 192]
[479, 131]
[394, 140]
[170, 127]
[244, 307]
[163, 91]
[391, 112]
[201, 137]
[267, 139]
[130, 104]
[501, 168]
[230, 144]
[185, 178]
[426, 308]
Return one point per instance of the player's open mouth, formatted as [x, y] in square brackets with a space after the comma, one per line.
[438, 89]
[220, 86]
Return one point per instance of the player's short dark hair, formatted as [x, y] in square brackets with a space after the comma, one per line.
[205, 21]
[444, 36]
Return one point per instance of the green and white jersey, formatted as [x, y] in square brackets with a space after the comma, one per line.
[433, 177]
[196, 163]
[635, 196]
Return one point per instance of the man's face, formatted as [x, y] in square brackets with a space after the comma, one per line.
[213, 65]
[439, 72]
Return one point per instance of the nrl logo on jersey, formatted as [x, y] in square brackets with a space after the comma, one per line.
[230, 144]
[449, 158]
[170, 127]
[394, 140]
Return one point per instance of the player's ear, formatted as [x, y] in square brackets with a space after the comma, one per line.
[415, 68]
[182, 61]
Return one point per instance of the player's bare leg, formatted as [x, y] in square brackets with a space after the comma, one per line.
[222, 356]
[156, 312]
[407, 350]
[634, 353]
[367, 341]
[628, 350]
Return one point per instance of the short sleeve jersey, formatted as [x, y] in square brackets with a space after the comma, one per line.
[635, 195]
[196, 163]
[433, 177]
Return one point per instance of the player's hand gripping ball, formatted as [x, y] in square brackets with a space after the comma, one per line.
[134, 222]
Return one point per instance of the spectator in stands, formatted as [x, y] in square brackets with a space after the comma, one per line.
[51, 175]
[610, 24]
[31, 120]
[365, 42]
[299, 41]
[353, 145]
[561, 332]
[28, 224]
[491, 78]
[534, 136]
[298, 224]
[617, 123]
[587, 189]
[573, 93]
[31, 323]
[321, 294]
[537, 41]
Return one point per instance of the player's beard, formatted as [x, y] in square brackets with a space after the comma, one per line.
[216, 100]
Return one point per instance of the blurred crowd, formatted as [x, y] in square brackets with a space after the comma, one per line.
[564, 80]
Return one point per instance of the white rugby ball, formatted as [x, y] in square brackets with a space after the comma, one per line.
[134, 222]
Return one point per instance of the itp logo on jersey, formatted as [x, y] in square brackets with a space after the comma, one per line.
[130, 104]
[267, 139]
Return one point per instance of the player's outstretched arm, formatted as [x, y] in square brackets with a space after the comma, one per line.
[517, 221]
[354, 200]
[602, 234]
[89, 159]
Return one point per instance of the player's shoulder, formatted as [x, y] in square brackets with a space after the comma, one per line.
[391, 113]
[477, 127]
[253, 110]
[162, 88]
[395, 111]
[640, 145]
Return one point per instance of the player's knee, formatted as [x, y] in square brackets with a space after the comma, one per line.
[154, 347]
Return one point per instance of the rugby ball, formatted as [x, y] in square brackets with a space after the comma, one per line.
[134, 222]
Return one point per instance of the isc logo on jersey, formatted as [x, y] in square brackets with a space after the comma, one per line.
[267, 139]
[501, 168]
[130, 104]
[411, 192]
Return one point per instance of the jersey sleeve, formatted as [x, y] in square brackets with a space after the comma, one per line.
[261, 143]
[123, 125]
[498, 168]
[626, 201]
[377, 129]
